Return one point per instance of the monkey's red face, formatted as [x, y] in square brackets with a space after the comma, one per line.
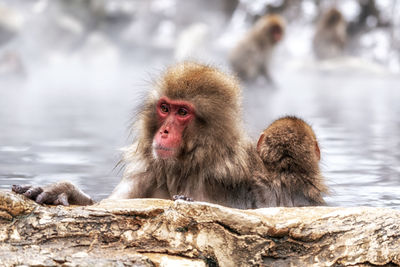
[276, 33]
[173, 116]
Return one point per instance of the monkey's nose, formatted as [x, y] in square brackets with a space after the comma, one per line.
[165, 131]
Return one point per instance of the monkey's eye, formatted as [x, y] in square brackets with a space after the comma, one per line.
[182, 112]
[164, 108]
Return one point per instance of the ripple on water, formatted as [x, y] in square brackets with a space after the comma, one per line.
[63, 158]
[14, 148]
[69, 143]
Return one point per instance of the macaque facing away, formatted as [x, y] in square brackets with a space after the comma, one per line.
[190, 142]
[291, 154]
[331, 35]
[251, 57]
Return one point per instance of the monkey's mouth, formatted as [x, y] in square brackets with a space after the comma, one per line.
[277, 36]
[164, 152]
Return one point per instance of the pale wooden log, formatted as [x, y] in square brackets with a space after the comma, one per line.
[151, 232]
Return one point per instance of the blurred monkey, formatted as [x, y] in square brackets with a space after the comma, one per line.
[331, 35]
[252, 55]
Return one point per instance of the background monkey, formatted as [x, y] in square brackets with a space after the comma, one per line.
[251, 57]
[190, 142]
[331, 35]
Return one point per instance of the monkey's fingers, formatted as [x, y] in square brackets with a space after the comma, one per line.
[182, 197]
[33, 192]
[20, 189]
[62, 199]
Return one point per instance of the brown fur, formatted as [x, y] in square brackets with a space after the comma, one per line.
[290, 152]
[250, 58]
[330, 37]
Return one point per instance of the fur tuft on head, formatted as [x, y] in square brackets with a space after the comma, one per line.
[285, 142]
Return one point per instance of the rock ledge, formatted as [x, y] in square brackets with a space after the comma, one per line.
[152, 232]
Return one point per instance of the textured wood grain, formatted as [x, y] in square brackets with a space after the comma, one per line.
[151, 232]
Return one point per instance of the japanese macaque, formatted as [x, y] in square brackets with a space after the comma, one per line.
[250, 58]
[291, 154]
[190, 144]
[331, 35]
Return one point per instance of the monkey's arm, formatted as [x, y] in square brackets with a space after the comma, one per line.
[264, 70]
[128, 188]
[265, 193]
[61, 193]
[139, 185]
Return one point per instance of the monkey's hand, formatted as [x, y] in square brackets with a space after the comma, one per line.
[182, 197]
[61, 193]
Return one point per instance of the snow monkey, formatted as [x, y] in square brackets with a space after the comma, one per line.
[291, 154]
[251, 57]
[330, 37]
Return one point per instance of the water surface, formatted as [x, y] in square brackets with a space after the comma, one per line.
[70, 122]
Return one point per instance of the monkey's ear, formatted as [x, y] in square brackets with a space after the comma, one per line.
[260, 142]
[317, 151]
